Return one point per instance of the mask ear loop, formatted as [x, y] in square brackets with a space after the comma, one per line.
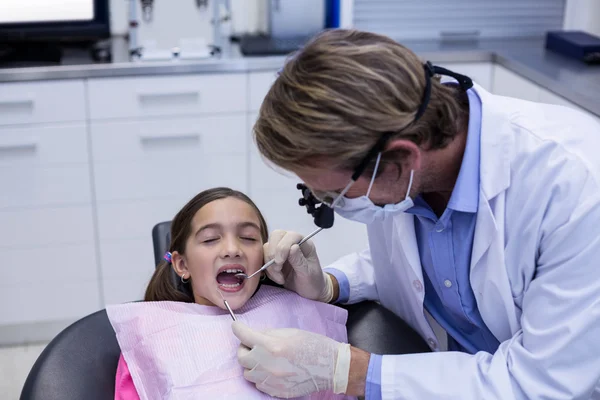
[410, 181]
[375, 173]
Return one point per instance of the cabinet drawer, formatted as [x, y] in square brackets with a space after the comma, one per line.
[46, 227]
[59, 144]
[167, 95]
[128, 220]
[169, 159]
[124, 290]
[164, 178]
[118, 253]
[45, 186]
[39, 302]
[166, 140]
[259, 85]
[38, 102]
[267, 176]
[53, 265]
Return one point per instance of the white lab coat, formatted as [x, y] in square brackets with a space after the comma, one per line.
[535, 265]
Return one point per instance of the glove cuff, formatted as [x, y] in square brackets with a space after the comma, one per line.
[342, 369]
[327, 295]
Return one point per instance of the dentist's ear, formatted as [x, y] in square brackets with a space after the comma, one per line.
[404, 153]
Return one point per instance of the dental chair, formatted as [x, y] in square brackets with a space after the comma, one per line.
[81, 361]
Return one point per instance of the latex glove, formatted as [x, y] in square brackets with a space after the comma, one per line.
[291, 362]
[297, 268]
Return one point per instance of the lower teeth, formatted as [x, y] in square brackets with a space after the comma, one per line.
[230, 285]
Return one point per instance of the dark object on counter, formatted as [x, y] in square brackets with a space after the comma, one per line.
[575, 44]
[263, 45]
[22, 54]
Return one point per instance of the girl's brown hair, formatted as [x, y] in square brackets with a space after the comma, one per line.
[164, 285]
[335, 98]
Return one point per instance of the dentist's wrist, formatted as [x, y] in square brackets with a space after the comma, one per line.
[331, 291]
[357, 374]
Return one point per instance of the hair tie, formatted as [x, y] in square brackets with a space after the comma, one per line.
[167, 257]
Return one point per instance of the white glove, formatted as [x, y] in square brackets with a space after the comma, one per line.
[292, 362]
[297, 268]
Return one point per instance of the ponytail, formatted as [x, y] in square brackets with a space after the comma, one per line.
[164, 286]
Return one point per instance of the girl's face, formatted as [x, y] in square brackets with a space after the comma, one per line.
[225, 239]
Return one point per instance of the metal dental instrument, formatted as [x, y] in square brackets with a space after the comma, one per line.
[227, 305]
[267, 265]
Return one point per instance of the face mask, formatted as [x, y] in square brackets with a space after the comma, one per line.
[362, 209]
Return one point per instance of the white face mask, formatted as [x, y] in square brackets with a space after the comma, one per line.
[362, 209]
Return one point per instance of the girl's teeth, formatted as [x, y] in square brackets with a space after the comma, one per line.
[233, 271]
[230, 285]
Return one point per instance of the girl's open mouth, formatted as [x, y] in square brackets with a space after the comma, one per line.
[228, 281]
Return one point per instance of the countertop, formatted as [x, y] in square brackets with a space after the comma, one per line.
[571, 79]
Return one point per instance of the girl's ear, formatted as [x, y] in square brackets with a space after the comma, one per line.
[179, 264]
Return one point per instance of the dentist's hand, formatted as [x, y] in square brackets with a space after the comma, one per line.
[297, 268]
[291, 362]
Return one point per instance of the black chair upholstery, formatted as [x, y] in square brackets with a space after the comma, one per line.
[81, 362]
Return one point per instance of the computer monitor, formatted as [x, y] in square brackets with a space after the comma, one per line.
[53, 20]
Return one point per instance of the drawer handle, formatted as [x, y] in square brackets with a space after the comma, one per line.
[173, 138]
[15, 105]
[23, 146]
[171, 97]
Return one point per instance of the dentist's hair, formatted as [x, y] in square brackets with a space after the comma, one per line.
[334, 98]
[163, 286]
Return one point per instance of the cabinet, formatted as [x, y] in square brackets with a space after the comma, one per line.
[507, 83]
[47, 244]
[156, 145]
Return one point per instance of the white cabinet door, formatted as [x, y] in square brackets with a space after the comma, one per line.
[169, 158]
[507, 83]
[41, 102]
[167, 95]
[49, 264]
[144, 173]
[259, 84]
[481, 72]
[44, 166]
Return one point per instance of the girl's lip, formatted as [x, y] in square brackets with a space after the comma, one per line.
[234, 289]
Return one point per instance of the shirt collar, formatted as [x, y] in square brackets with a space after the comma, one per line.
[465, 195]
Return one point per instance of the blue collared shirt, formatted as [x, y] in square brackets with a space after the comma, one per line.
[445, 246]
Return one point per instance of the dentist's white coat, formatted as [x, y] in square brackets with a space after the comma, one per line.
[535, 267]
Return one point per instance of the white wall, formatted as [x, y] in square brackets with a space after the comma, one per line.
[583, 15]
[248, 15]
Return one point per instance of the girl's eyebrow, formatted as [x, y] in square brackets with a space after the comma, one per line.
[247, 224]
[215, 225]
[208, 226]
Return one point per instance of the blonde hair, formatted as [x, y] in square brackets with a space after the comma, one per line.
[336, 97]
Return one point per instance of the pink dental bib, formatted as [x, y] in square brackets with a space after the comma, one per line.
[185, 351]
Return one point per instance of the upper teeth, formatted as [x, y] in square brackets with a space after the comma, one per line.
[232, 271]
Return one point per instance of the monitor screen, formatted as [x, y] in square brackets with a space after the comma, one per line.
[45, 11]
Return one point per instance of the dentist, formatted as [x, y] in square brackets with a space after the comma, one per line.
[483, 216]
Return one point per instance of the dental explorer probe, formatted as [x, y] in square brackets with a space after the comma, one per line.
[227, 304]
[267, 265]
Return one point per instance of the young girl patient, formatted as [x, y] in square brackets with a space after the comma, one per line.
[178, 343]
